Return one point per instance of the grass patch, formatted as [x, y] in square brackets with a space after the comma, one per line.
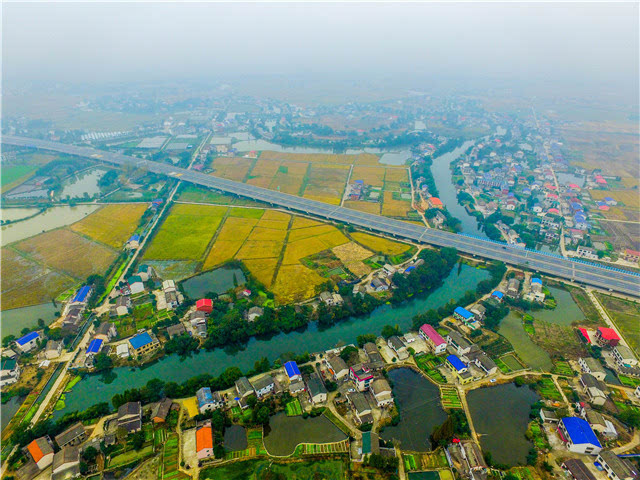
[293, 408]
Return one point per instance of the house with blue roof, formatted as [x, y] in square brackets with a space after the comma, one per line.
[463, 315]
[455, 364]
[536, 285]
[498, 295]
[578, 436]
[94, 346]
[133, 242]
[143, 343]
[82, 295]
[28, 342]
[208, 400]
[293, 372]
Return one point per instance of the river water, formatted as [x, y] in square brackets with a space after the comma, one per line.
[441, 171]
[500, 416]
[92, 389]
[54, 217]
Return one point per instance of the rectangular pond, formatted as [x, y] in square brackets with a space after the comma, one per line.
[219, 281]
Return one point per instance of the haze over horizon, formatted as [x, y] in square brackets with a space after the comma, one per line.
[573, 43]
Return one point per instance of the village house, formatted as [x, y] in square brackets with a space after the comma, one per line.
[598, 422]
[122, 350]
[632, 256]
[253, 314]
[176, 330]
[130, 417]
[360, 407]
[244, 387]
[204, 442]
[513, 287]
[379, 285]
[624, 357]
[316, 389]
[577, 469]
[578, 436]
[296, 386]
[208, 400]
[106, 331]
[381, 392]
[586, 252]
[479, 311]
[52, 350]
[594, 388]
[592, 366]
[41, 452]
[10, 371]
[144, 343]
[263, 386]
[28, 342]
[361, 377]
[547, 416]
[161, 410]
[433, 339]
[617, 468]
[74, 435]
[460, 344]
[133, 243]
[66, 463]
[292, 370]
[136, 285]
[607, 337]
[396, 344]
[204, 305]
[145, 272]
[337, 367]
[376, 362]
[484, 363]
[497, 295]
[122, 305]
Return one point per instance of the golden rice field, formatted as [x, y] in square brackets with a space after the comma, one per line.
[373, 176]
[24, 282]
[232, 168]
[397, 175]
[263, 269]
[186, 232]
[326, 183]
[351, 255]
[296, 283]
[394, 208]
[367, 207]
[343, 159]
[275, 219]
[302, 233]
[68, 252]
[380, 244]
[112, 225]
[630, 198]
[304, 222]
[289, 177]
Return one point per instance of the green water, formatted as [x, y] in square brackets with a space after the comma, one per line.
[284, 433]
[92, 389]
[420, 409]
[14, 320]
[566, 312]
[219, 281]
[500, 416]
[235, 438]
[533, 355]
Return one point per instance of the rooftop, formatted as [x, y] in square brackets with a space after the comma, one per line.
[456, 362]
[431, 333]
[292, 369]
[463, 312]
[94, 346]
[81, 295]
[580, 431]
[27, 338]
[140, 340]
[204, 438]
[608, 333]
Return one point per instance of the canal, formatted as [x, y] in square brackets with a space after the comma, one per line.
[500, 416]
[420, 410]
[441, 171]
[92, 389]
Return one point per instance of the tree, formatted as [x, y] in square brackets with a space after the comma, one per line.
[137, 440]
[262, 415]
[90, 453]
[630, 417]
[389, 331]
[348, 352]
[365, 338]
[102, 362]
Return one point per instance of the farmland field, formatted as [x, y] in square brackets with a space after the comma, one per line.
[626, 315]
[629, 198]
[24, 282]
[12, 174]
[68, 252]
[367, 207]
[296, 283]
[326, 183]
[269, 469]
[373, 176]
[351, 255]
[111, 225]
[185, 233]
[394, 208]
[232, 168]
[360, 159]
[380, 244]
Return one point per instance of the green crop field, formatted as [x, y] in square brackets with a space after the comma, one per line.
[13, 173]
[450, 397]
[268, 469]
[563, 368]
[293, 408]
[429, 365]
[547, 389]
[512, 362]
[186, 232]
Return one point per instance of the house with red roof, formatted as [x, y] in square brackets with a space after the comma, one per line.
[41, 451]
[204, 442]
[433, 338]
[607, 336]
[435, 202]
[204, 305]
[632, 256]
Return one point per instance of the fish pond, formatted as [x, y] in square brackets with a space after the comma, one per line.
[500, 416]
[284, 433]
[219, 281]
[14, 320]
[533, 355]
[93, 389]
[235, 438]
[420, 409]
[83, 184]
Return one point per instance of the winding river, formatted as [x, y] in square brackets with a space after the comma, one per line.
[92, 389]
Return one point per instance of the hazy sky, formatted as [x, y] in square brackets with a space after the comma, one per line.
[138, 41]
